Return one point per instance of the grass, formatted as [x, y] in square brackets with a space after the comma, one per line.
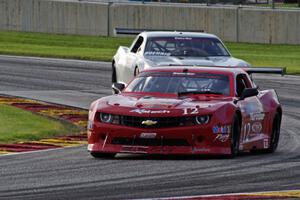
[103, 48]
[268, 55]
[19, 125]
[60, 46]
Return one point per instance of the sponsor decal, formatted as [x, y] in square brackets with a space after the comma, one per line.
[149, 122]
[157, 53]
[221, 129]
[222, 137]
[257, 116]
[201, 150]
[250, 108]
[148, 135]
[183, 38]
[222, 132]
[182, 73]
[256, 127]
[144, 111]
[134, 149]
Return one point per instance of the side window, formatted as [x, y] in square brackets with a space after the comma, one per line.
[137, 44]
[241, 84]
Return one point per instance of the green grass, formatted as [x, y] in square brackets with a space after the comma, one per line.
[103, 48]
[60, 46]
[19, 125]
[268, 55]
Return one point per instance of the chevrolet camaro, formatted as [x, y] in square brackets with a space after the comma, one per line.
[186, 110]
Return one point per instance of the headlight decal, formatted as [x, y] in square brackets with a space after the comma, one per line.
[204, 119]
[106, 118]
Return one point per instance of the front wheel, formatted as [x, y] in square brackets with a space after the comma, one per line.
[275, 134]
[235, 136]
[103, 155]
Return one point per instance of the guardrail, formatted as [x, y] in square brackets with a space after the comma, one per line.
[231, 23]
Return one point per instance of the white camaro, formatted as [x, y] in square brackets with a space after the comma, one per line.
[164, 48]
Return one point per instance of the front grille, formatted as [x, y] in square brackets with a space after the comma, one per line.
[161, 122]
[149, 141]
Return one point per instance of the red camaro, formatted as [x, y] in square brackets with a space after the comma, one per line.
[185, 110]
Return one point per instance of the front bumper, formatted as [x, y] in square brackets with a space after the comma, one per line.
[177, 140]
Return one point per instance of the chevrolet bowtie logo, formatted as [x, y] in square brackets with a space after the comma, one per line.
[149, 122]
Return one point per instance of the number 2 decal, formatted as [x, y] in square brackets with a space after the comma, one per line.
[190, 111]
[247, 130]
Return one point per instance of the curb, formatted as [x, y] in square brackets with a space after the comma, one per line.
[75, 116]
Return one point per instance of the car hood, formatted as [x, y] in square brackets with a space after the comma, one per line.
[145, 105]
[220, 61]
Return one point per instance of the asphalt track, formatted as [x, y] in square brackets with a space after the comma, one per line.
[73, 174]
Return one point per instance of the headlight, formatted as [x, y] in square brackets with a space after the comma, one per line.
[109, 118]
[202, 119]
[106, 118]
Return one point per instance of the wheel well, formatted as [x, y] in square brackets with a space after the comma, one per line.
[135, 73]
[114, 73]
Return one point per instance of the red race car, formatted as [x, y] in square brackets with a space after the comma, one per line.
[186, 110]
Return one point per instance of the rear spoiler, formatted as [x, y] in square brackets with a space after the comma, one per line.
[132, 31]
[266, 70]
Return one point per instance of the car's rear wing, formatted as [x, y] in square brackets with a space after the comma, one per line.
[266, 70]
[135, 31]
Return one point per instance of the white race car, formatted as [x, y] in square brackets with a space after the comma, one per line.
[166, 48]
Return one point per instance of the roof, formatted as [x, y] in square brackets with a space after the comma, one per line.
[196, 69]
[178, 34]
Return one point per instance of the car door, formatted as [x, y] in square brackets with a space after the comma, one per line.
[131, 60]
[253, 128]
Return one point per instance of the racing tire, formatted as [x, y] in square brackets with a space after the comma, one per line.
[235, 136]
[275, 134]
[114, 73]
[103, 155]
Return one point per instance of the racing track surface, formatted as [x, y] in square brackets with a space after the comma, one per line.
[73, 174]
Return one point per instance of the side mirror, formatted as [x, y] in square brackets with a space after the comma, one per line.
[117, 87]
[249, 92]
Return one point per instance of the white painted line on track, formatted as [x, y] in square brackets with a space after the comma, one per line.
[220, 195]
[45, 59]
[38, 151]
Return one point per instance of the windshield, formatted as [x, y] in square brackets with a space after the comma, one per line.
[184, 47]
[181, 83]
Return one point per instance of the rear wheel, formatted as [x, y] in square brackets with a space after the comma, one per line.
[235, 136]
[114, 73]
[103, 155]
[275, 134]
